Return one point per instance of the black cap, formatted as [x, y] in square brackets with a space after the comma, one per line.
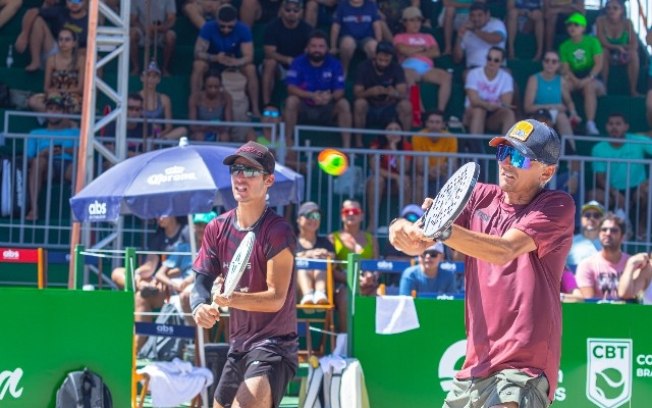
[56, 100]
[533, 139]
[479, 5]
[255, 153]
[227, 13]
[385, 47]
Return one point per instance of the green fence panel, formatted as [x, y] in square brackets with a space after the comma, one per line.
[47, 333]
[606, 355]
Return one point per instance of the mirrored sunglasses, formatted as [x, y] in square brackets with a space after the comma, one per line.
[516, 158]
[246, 171]
[271, 114]
[313, 216]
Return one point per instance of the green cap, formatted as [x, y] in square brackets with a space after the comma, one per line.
[577, 18]
[204, 218]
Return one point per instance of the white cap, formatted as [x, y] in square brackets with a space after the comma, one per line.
[439, 247]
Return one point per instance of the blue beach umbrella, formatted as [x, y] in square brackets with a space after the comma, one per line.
[176, 181]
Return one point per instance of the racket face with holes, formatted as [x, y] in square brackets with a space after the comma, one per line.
[239, 263]
[450, 201]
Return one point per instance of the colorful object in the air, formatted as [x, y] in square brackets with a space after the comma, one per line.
[333, 162]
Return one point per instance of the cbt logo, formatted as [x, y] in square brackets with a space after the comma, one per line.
[609, 372]
[450, 363]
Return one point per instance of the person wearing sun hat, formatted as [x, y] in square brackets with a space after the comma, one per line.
[586, 242]
[516, 236]
[581, 59]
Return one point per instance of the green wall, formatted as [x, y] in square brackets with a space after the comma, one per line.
[47, 333]
[410, 369]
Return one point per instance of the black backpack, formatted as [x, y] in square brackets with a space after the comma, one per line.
[83, 389]
[165, 348]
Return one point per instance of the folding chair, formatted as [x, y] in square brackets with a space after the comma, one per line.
[27, 256]
[304, 320]
[167, 330]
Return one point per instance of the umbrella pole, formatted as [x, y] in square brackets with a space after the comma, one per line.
[193, 242]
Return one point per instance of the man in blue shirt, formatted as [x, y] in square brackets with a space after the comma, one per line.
[426, 277]
[226, 44]
[40, 150]
[316, 90]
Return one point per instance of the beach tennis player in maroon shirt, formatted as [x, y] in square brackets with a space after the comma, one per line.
[262, 358]
[516, 236]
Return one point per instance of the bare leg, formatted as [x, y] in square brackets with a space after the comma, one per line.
[291, 115]
[347, 48]
[449, 16]
[445, 81]
[360, 109]
[252, 88]
[343, 113]
[254, 392]
[199, 67]
[249, 11]
[9, 9]
[305, 282]
[632, 70]
[311, 12]
[118, 277]
[194, 13]
[269, 74]
[404, 112]
[37, 169]
[134, 39]
[512, 27]
[26, 30]
[41, 41]
[537, 17]
[168, 50]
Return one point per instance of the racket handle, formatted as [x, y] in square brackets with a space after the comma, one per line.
[217, 308]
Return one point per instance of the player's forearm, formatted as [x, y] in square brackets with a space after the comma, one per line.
[268, 301]
[201, 291]
[487, 248]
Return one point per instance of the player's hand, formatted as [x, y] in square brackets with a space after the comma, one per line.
[408, 237]
[222, 301]
[206, 316]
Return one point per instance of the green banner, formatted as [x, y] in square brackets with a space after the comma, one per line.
[606, 355]
[47, 333]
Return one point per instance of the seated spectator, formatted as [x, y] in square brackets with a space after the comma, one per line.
[547, 90]
[426, 276]
[618, 182]
[158, 105]
[285, 39]
[64, 75]
[134, 128]
[39, 150]
[454, 14]
[648, 98]
[380, 91]
[312, 283]
[391, 12]
[263, 136]
[175, 273]
[489, 100]
[8, 9]
[635, 280]
[199, 12]
[356, 24]
[558, 10]
[252, 11]
[568, 289]
[352, 239]
[388, 170]
[478, 35]
[212, 104]
[41, 26]
[521, 16]
[416, 51]
[436, 167]
[316, 90]
[618, 37]
[598, 275]
[581, 62]
[319, 13]
[586, 243]
[155, 19]
[226, 44]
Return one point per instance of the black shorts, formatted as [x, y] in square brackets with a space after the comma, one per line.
[316, 115]
[380, 116]
[244, 365]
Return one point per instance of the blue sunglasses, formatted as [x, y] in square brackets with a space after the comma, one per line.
[517, 159]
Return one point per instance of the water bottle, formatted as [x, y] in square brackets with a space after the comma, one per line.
[10, 56]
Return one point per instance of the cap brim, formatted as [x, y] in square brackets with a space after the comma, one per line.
[229, 160]
[522, 148]
[593, 207]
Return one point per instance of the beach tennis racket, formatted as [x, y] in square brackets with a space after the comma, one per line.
[238, 263]
[450, 201]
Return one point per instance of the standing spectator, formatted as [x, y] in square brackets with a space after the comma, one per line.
[598, 275]
[555, 9]
[8, 9]
[388, 170]
[454, 14]
[618, 37]
[212, 104]
[426, 276]
[618, 180]
[586, 243]
[64, 75]
[157, 105]
[356, 24]
[635, 280]
[478, 35]
[316, 90]
[581, 62]
[155, 19]
[285, 39]
[226, 44]
[380, 91]
[41, 26]
[312, 283]
[524, 13]
[547, 90]
[199, 12]
[38, 152]
[437, 166]
[416, 51]
[489, 98]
